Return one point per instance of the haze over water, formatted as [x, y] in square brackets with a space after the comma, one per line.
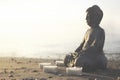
[40, 28]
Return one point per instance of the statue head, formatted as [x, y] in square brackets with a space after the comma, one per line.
[94, 15]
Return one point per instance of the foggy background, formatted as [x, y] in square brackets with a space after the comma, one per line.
[39, 28]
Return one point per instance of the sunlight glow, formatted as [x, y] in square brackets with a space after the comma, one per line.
[26, 25]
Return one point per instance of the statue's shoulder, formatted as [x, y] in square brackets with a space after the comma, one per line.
[101, 30]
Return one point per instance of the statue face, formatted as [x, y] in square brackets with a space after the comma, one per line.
[88, 19]
[92, 20]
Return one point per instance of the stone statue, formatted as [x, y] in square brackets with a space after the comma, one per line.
[89, 54]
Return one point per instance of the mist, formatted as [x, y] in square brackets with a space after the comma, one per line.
[38, 28]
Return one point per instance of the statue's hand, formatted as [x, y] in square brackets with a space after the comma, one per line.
[75, 55]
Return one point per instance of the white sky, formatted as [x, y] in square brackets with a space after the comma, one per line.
[26, 25]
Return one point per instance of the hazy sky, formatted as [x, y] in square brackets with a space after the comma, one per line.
[28, 25]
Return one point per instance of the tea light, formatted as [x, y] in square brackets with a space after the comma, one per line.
[44, 64]
[59, 63]
[74, 71]
[50, 69]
